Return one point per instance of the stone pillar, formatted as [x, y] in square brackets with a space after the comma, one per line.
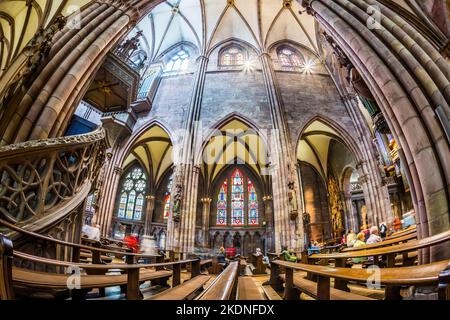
[287, 223]
[182, 232]
[206, 213]
[408, 78]
[268, 213]
[150, 207]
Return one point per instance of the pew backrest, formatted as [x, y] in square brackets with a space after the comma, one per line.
[387, 242]
[224, 286]
[394, 249]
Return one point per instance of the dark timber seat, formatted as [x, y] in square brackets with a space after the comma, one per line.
[310, 288]
[392, 278]
[184, 291]
[224, 286]
[270, 293]
[29, 278]
[248, 290]
[257, 266]
[390, 251]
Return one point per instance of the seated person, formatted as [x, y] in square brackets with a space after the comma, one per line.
[359, 243]
[91, 232]
[258, 252]
[383, 230]
[351, 238]
[230, 252]
[287, 255]
[221, 258]
[132, 242]
[374, 237]
[313, 248]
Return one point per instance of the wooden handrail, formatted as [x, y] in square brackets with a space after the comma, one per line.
[73, 245]
[384, 243]
[399, 248]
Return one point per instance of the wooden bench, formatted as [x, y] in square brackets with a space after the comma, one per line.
[387, 242]
[185, 291]
[94, 247]
[402, 233]
[257, 266]
[248, 290]
[310, 288]
[135, 274]
[422, 275]
[270, 293]
[390, 252]
[224, 286]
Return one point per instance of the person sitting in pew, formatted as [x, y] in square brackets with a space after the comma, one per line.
[374, 237]
[359, 243]
[351, 238]
[221, 257]
[287, 255]
[313, 248]
[383, 230]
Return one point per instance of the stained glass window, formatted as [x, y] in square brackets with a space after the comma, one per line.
[222, 204]
[179, 62]
[237, 198]
[232, 56]
[132, 195]
[237, 201]
[166, 213]
[252, 204]
[289, 58]
[122, 205]
[90, 204]
[139, 207]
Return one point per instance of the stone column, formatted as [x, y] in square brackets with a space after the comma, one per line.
[206, 212]
[182, 232]
[287, 223]
[409, 80]
[149, 214]
[268, 213]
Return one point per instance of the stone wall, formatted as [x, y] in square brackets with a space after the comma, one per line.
[306, 96]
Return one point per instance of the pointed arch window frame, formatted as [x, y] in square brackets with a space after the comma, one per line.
[131, 195]
[292, 61]
[228, 219]
[232, 56]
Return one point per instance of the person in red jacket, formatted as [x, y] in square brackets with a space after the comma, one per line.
[230, 252]
[132, 242]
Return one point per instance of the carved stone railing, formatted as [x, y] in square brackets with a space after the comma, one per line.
[49, 177]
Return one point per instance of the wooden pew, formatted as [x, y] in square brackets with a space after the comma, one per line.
[390, 251]
[224, 286]
[248, 290]
[257, 266]
[388, 242]
[421, 275]
[185, 291]
[94, 248]
[402, 233]
[135, 274]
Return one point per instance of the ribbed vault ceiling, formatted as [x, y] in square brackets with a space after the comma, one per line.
[206, 23]
[154, 150]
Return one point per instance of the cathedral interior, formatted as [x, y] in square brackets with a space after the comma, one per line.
[210, 126]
